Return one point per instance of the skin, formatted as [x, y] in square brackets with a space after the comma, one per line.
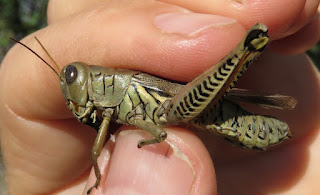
[46, 150]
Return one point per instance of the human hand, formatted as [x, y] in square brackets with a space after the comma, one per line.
[46, 150]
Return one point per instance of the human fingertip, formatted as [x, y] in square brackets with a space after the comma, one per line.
[153, 169]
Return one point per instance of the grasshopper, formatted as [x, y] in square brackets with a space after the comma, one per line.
[98, 95]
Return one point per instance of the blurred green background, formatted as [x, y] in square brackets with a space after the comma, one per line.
[19, 18]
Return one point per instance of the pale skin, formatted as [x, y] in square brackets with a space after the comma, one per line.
[47, 151]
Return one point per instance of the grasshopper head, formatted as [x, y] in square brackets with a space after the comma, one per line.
[73, 82]
[74, 86]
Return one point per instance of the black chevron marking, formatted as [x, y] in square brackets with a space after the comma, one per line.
[191, 109]
[199, 87]
[229, 62]
[178, 109]
[190, 98]
[247, 135]
[222, 73]
[191, 101]
[186, 102]
[216, 77]
[196, 96]
[212, 83]
[224, 66]
[182, 106]
[205, 85]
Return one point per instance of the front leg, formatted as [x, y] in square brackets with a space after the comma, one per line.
[98, 144]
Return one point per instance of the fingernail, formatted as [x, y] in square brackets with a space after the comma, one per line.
[190, 23]
[152, 169]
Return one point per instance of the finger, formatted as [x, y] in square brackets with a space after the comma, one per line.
[58, 10]
[165, 50]
[306, 15]
[283, 20]
[277, 15]
[175, 171]
[301, 41]
[32, 106]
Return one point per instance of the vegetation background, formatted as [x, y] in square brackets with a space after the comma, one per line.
[19, 18]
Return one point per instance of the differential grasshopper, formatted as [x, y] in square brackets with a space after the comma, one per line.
[98, 95]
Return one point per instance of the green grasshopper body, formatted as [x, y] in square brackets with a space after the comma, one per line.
[150, 103]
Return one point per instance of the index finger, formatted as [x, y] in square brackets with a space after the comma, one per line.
[157, 47]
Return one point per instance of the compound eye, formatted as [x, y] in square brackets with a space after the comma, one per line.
[71, 74]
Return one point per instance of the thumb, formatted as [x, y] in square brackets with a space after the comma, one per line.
[171, 167]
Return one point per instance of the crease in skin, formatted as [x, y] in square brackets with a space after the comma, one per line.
[29, 169]
[178, 153]
[10, 110]
[182, 156]
[33, 119]
[14, 139]
[238, 1]
[237, 4]
[195, 33]
[25, 145]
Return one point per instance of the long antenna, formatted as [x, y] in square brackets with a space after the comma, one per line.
[37, 54]
[55, 63]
